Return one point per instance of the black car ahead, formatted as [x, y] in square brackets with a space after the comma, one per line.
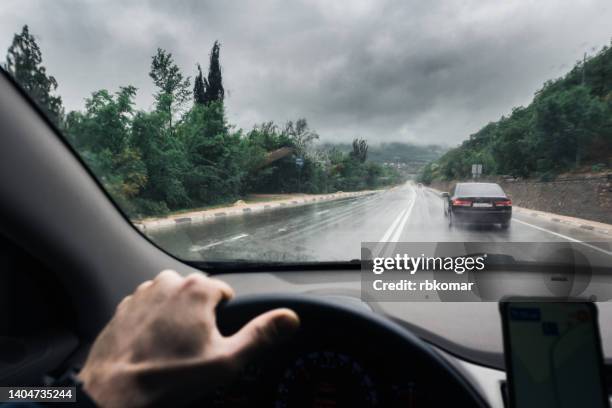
[478, 203]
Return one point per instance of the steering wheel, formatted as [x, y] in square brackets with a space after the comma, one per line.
[342, 355]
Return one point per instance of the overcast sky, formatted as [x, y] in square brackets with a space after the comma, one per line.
[421, 71]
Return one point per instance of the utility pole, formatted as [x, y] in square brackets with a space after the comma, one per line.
[299, 162]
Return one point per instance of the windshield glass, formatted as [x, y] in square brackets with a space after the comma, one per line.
[293, 132]
[479, 190]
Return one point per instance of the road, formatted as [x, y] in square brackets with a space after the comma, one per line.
[334, 231]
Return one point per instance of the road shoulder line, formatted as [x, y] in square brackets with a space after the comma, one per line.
[197, 217]
[563, 236]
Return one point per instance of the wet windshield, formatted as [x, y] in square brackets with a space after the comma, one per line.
[295, 132]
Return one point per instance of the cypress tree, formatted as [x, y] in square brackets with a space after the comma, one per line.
[199, 88]
[214, 87]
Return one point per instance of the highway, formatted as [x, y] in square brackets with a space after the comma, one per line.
[334, 231]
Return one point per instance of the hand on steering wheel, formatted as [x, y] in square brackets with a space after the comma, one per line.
[163, 346]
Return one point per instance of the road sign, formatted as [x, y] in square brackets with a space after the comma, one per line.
[299, 161]
[476, 170]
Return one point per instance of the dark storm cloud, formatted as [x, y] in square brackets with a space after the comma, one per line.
[432, 71]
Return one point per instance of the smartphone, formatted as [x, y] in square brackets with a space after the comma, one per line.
[553, 354]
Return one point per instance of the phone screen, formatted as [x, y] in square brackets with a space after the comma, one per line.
[553, 355]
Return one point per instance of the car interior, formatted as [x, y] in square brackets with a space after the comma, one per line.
[68, 255]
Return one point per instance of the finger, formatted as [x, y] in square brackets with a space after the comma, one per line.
[124, 302]
[265, 330]
[212, 290]
[167, 278]
[224, 291]
[144, 285]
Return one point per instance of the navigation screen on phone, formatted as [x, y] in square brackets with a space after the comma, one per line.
[555, 355]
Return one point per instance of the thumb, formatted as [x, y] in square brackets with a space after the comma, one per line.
[265, 330]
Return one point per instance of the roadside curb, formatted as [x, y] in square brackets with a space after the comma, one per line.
[206, 215]
[594, 226]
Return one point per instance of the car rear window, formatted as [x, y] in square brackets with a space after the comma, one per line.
[480, 190]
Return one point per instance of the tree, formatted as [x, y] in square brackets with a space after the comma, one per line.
[166, 163]
[102, 135]
[300, 135]
[360, 150]
[24, 63]
[567, 122]
[173, 87]
[106, 122]
[199, 88]
[217, 165]
[214, 85]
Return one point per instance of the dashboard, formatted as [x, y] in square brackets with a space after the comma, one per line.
[469, 330]
[263, 383]
[324, 377]
[468, 335]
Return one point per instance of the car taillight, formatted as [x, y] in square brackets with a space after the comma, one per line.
[504, 203]
[457, 202]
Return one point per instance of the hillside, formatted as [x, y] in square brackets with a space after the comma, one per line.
[566, 127]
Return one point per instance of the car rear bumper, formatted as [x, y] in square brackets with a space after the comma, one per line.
[480, 216]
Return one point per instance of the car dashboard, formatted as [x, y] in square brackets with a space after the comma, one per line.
[467, 334]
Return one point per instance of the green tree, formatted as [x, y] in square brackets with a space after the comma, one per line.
[102, 135]
[215, 155]
[24, 63]
[199, 88]
[173, 89]
[166, 163]
[106, 122]
[566, 123]
[214, 84]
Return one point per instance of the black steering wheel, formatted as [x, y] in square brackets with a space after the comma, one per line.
[342, 355]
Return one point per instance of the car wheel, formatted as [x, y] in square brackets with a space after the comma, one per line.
[450, 219]
[505, 225]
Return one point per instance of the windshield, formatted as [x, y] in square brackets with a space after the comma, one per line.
[295, 132]
[478, 190]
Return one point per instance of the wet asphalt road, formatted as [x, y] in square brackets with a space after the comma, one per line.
[334, 231]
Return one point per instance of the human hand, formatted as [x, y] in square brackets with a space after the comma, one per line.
[163, 347]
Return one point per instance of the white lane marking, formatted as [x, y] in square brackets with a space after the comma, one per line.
[564, 237]
[392, 227]
[400, 228]
[321, 212]
[401, 219]
[196, 248]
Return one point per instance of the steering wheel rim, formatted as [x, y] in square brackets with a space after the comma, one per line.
[232, 315]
